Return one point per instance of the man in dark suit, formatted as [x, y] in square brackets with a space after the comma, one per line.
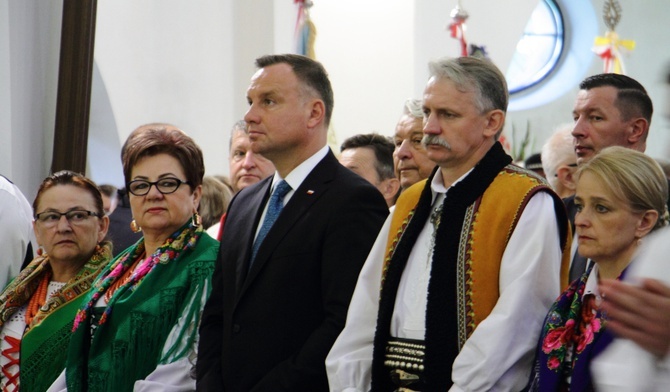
[278, 305]
[610, 110]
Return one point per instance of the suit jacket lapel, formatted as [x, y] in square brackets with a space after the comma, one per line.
[311, 189]
[253, 207]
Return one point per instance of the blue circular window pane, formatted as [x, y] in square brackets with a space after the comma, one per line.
[539, 49]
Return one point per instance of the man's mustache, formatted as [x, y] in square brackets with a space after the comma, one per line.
[434, 140]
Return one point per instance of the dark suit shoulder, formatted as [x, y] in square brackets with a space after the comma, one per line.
[571, 209]
[342, 180]
[252, 190]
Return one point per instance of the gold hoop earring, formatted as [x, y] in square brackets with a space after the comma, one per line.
[135, 227]
[196, 220]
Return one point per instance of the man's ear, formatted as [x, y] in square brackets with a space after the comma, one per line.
[637, 130]
[390, 188]
[317, 112]
[566, 177]
[495, 119]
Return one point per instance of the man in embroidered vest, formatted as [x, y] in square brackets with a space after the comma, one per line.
[281, 290]
[469, 262]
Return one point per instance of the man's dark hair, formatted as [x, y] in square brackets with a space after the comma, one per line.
[308, 71]
[611, 79]
[632, 98]
[108, 190]
[533, 162]
[382, 147]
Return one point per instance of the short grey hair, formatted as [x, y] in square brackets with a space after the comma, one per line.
[414, 108]
[558, 150]
[480, 76]
[240, 126]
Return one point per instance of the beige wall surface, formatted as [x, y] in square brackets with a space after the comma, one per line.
[189, 63]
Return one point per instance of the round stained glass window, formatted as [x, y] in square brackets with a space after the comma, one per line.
[539, 49]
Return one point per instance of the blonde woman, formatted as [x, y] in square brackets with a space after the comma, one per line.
[621, 197]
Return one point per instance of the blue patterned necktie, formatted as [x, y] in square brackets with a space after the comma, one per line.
[275, 206]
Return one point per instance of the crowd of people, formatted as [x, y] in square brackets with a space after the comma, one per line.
[424, 261]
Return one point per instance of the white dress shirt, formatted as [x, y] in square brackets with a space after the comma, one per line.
[294, 179]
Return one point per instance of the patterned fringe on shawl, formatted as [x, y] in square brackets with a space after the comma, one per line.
[134, 359]
[37, 377]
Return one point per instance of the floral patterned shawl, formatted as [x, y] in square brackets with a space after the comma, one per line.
[115, 345]
[573, 334]
[45, 341]
[21, 289]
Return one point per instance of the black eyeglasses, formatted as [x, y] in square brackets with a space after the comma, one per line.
[164, 185]
[75, 217]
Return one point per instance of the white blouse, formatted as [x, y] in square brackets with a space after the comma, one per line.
[14, 328]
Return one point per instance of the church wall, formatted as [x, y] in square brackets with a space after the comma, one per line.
[189, 63]
[29, 42]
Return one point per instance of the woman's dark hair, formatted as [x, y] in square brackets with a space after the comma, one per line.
[153, 139]
[66, 177]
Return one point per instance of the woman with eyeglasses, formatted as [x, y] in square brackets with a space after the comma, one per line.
[620, 199]
[138, 327]
[38, 307]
